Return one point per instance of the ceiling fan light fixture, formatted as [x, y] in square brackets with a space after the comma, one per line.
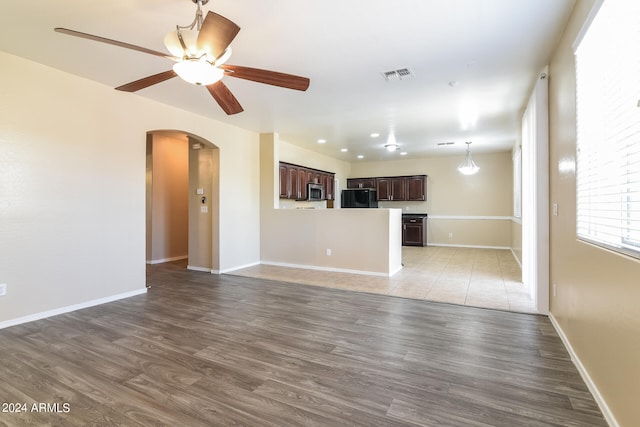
[198, 72]
[189, 37]
[224, 57]
[468, 166]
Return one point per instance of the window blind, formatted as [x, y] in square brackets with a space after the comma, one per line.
[608, 128]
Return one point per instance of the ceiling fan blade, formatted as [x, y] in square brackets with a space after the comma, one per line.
[216, 34]
[147, 81]
[268, 77]
[113, 42]
[225, 98]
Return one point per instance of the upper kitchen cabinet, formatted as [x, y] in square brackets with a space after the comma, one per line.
[327, 181]
[285, 186]
[361, 183]
[394, 188]
[391, 188]
[294, 180]
[416, 188]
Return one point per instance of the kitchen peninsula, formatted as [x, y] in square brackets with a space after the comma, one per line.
[363, 241]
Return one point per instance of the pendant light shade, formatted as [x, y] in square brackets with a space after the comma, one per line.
[468, 166]
[198, 72]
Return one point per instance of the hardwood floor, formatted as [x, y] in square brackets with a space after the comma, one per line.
[205, 350]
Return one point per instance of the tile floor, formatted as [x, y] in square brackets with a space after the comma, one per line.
[489, 278]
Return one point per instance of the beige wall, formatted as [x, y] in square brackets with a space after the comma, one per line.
[203, 230]
[598, 292]
[72, 184]
[169, 214]
[475, 210]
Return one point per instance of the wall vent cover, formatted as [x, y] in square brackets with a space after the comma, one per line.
[398, 74]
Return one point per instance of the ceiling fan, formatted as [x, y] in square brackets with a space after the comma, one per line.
[200, 51]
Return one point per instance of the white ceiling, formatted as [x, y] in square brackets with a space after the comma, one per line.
[492, 49]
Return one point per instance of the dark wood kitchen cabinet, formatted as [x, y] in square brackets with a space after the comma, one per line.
[327, 181]
[416, 188]
[414, 230]
[394, 188]
[303, 179]
[294, 188]
[294, 180]
[391, 188]
[361, 183]
[284, 181]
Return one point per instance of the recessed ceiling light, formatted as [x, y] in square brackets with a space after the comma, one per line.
[322, 141]
[375, 135]
[344, 150]
[360, 156]
[404, 153]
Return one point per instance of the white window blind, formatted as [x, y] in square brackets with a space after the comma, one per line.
[608, 128]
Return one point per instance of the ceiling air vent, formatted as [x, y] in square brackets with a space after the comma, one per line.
[442, 144]
[399, 74]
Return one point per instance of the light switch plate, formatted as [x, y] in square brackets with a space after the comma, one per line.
[3, 289]
[204, 209]
[200, 191]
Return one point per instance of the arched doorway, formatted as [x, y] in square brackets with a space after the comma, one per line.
[182, 200]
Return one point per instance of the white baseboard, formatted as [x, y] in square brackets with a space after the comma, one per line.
[467, 246]
[238, 267]
[163, 260]
[604, 408]
[195, 268]
[516, 258]
[330, 269]
[70, 308]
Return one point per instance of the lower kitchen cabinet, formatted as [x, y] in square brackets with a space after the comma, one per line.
[414, 230]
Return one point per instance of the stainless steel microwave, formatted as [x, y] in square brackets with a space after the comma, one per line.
[315, 192]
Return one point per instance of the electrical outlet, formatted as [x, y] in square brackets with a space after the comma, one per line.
[450, 235]
[3, 289]
[328, 252]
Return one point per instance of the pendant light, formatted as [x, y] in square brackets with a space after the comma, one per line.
[391, 144]
[468, 166]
